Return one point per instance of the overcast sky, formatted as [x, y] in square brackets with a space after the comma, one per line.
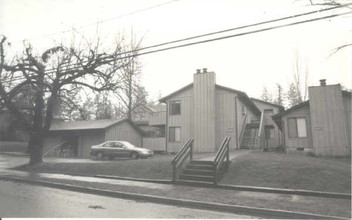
[245, 63]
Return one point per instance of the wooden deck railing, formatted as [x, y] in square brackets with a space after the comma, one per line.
[219, 162]
[181, 156]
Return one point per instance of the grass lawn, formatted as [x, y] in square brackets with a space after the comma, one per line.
[156, 167]
[290, 171]
[267, 169]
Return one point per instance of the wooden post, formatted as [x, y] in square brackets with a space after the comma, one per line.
[191, 151]
[174, 173]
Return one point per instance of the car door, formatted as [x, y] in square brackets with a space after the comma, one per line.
[124, 151]
[108, 148]
[118, 149]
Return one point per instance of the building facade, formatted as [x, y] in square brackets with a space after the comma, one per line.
[79, 136]
[321, 125]
[209, 112]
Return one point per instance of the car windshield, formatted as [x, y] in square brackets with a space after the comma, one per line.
[129, 145]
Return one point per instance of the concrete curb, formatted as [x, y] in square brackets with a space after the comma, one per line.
[244, 210]
[163, 181]
[238, 187]
[15, 154]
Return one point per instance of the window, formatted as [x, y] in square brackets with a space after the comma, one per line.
[269, 132]
[174, 134]
[297, 127]
[175, 108]
[118, 145]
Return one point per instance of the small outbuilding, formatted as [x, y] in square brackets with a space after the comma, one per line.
[78, 136]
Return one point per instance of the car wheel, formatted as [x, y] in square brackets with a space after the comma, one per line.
[100, 155]
[134, 155]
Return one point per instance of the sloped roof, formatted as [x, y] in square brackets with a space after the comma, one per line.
[241, 95]
[269, 103]
[300, 105]
[89, 125]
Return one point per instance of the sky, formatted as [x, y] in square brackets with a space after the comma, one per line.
[246, 63]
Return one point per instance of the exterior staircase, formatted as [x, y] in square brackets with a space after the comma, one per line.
[200, 171]
[250, 139]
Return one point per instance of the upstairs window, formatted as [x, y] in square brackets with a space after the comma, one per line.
[297, 127]
[175, 108]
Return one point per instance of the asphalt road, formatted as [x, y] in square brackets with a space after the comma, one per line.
[21, 200]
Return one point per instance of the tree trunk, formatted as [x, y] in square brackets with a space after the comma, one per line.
[36, 148]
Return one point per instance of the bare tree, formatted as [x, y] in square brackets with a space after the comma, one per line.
[51, 76]
[266, 95]
[131, 93]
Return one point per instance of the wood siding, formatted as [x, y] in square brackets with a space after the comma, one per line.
[269, 121]
[86, 140]
[329, 129]
[299, 142]
[184, 120]
[154, 143]
[347, 106]
[157, 118]
[124, 132]
[204, 112]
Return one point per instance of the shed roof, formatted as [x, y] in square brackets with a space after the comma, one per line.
[89, 125]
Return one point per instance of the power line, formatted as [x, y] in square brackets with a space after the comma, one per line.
[225, 37]
[104, 20]
[228, 30]
[218, 32]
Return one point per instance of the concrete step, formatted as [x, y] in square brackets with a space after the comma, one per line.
[200, 167]
[202, 162]
[195, 183]
[198, 172]
[197, 178]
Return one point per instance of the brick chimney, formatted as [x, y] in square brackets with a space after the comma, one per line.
[322, 82]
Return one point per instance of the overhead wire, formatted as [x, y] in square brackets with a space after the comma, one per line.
[224, 37]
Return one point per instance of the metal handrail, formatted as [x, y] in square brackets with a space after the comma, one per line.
[53, 148]
[181, 156]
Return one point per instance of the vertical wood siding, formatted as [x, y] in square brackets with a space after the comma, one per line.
[124, 132]
[185, 120]
[347, 106]
[329, 129]
[305, 142]
[86, 139]
[204, 112]
[154, 143]
[157, 118]
[226, 117]
[269, 121]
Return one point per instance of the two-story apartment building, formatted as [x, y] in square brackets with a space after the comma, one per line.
[208, 112]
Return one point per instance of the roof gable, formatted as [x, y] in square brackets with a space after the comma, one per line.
[241, 95]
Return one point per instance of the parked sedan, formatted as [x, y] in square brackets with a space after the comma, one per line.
[113, 149]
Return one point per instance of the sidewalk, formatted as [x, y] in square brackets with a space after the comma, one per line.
[266, 204]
